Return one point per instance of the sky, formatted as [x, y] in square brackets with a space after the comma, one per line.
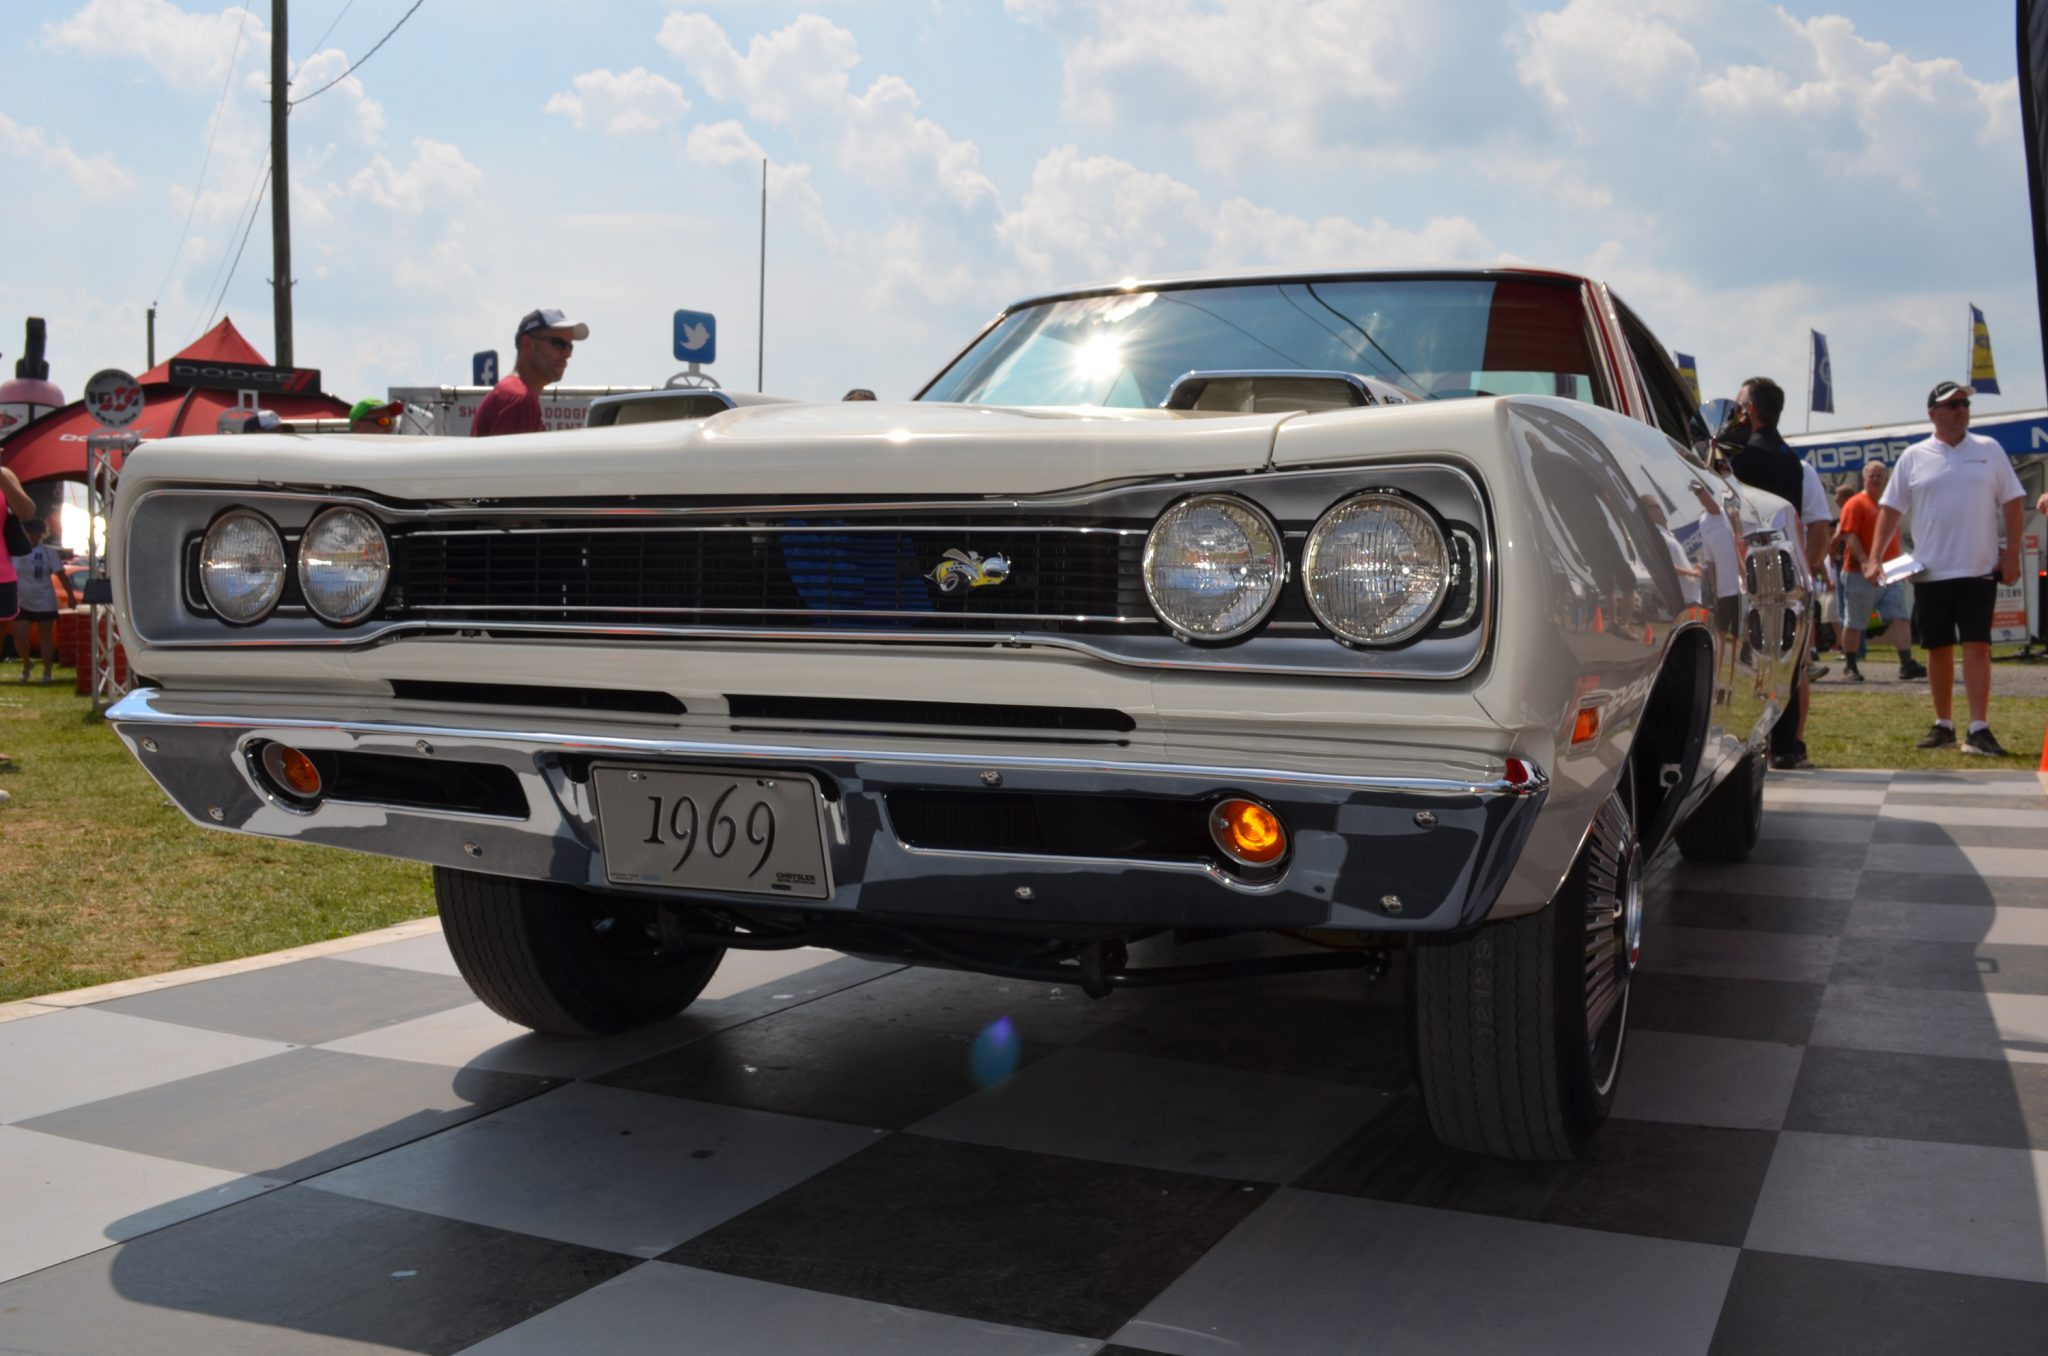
[1740, 171]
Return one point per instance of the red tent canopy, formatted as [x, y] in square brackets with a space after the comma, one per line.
[55, 445]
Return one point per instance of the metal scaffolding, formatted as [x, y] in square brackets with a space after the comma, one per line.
[104, 454]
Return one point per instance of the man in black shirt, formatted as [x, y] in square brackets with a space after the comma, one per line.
[1765, 461]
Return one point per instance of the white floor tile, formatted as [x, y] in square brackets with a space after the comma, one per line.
[427, 953]
[1948, 923]
[81, 1055]
[643, 1312]
[628, 1171]
[1941, 1207]
[474, 1037]
[1310, 1274]
[2004, 1026]
[61, 1198]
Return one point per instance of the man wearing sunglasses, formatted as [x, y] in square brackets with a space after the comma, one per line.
[1959, 489]
[541, 346]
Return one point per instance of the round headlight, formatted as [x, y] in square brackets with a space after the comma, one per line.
[1375, 569]
[1213, 567]
[241, 566]
[343, 564]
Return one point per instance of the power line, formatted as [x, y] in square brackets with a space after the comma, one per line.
[219, 107]
[314, 50]
[249, 204]
[238, 256]
[363, 58]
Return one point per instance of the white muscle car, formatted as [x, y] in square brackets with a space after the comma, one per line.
[1374, 608]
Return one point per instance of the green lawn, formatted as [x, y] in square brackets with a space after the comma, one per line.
[105, 880]
[1877, 728]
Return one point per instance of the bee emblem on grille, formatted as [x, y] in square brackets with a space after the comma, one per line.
[958, 570]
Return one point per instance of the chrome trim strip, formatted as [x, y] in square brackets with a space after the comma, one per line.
[140, 708]
[466, 609]
[785, 529]
[1030, 859]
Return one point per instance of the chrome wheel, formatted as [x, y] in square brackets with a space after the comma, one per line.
[1613, 936]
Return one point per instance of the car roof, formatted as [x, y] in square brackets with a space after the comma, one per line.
[1225, 277]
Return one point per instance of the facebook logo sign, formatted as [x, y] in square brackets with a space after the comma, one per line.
[696, 337]
[483, 368]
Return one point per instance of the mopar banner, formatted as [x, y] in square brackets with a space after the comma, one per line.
[2021, 434]
[223, 376]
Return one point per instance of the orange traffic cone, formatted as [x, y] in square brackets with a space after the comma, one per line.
[2044, 750]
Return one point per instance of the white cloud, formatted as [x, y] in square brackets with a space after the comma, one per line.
[99, 177]
[799, 78]
[190, 51]
[437, 177]
[635, 101]
[320, 70]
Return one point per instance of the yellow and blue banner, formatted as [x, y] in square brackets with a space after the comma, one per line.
[1821, 399]
[1983, 370]
[1689, 368]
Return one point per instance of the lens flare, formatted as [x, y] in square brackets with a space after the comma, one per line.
[994, 1056]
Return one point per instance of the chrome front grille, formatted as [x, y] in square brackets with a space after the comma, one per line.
[785, 574]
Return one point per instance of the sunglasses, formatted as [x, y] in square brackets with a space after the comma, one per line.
[561, 345]
[1953, 405]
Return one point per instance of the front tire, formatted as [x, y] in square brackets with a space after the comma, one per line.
[1519, 1024]
[1729, 821]
[562, 961]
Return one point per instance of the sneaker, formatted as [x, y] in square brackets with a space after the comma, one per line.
[1912, 670]
[1981, 741]
[1815, 672]
[1852, 674]
[1939, 737]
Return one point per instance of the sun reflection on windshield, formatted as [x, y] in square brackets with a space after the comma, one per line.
[1100, 359]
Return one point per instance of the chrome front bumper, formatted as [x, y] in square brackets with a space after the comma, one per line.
[1370, 853]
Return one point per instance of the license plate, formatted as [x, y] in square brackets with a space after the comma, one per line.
[743, 832]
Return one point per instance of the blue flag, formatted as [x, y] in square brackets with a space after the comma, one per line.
[1822, 397]
[1983, 371]
[1689, 368]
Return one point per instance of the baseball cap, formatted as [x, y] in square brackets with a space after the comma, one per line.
[1947, 390]
[546, 319]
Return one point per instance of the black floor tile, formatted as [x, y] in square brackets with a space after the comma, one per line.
[296, 1271]
[1747, 913]
[1935, 887]
[958, 1003]
[860, 1073]
[1926, 1097]
[1817, 1307]
[1741, 1009]
[291, 1115]
[1923, 834]
[1813, 852]
[1339, 1028]
[1060, 1244]
[1691, 1183]
[1975, 967]
[305, 1003]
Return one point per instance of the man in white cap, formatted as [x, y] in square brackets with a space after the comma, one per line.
[541, 345]
[1959, 489]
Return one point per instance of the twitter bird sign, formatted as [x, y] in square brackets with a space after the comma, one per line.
[696, 337]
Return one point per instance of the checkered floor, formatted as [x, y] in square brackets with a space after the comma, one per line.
[1833, 1138]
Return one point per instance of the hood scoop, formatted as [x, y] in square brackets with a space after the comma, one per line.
[1280, 391]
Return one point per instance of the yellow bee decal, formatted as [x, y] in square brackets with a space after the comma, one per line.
[959, 570]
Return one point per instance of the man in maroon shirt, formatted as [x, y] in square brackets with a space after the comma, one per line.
[541, 345]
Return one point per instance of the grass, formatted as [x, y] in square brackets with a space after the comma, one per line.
[106, 880]
[1878, 730]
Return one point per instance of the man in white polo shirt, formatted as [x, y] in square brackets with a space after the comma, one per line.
[1957, 487]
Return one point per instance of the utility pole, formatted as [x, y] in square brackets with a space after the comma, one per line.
[280, 187]
[152, 338]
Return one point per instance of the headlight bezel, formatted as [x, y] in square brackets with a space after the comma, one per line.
[302, 556]
[1281, 569]
[1420, 625]
[284, 570]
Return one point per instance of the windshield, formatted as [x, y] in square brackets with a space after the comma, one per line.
[1436, 338]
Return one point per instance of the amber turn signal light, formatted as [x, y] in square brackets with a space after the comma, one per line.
[1247, 832]
[1586, 728]
[291, 772]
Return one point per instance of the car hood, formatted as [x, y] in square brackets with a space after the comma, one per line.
[837, 449]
